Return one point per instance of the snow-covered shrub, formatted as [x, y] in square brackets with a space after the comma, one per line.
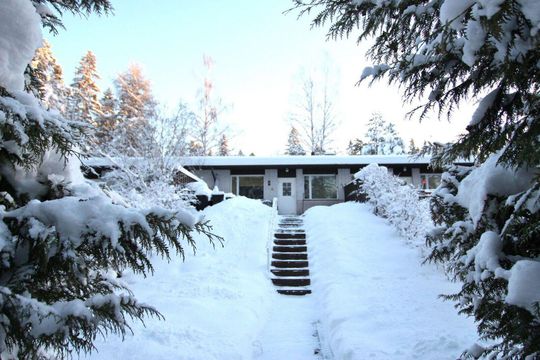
[488, 226]
[63, 241]
[396, 201]
[142, 183]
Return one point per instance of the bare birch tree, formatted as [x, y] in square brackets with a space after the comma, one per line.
[314, 111]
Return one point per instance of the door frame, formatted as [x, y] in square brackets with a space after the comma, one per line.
[287, 204]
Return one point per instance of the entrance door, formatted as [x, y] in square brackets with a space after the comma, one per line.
[287, 196]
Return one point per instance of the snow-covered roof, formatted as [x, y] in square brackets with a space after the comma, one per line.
[112, 162]
[329, 160]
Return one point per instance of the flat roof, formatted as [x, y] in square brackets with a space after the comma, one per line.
[298, 160]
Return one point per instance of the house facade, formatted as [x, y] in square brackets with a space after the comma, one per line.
[301, 182]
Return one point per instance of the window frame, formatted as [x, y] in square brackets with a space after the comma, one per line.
[237, 177]
[310, 187]
[427, 176]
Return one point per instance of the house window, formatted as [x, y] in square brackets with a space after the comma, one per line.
[287, 189]
[320, 187]
[248, 186]
[429, 181]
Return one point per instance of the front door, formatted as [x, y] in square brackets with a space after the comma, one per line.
[287, 196]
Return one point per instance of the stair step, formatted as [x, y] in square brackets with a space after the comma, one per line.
[290, 235]
[294, 292]
[288, 249]
[280, 272]
[291, 219]
[289, 256]
[289, 264]
[289, 242]
[291, 282]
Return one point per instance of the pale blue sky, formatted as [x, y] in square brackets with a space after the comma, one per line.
[258, 53]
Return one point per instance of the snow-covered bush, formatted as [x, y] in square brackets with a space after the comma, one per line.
[63, 241]
[396, 201]
[142, 184]
[487, 237]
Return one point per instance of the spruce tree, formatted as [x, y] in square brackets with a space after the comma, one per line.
[488, 215]
[84, 102]
[48, 81]
[294, 145]
[224, 146]
[63, 240]
[355, 147]
[382, 137]
[136, 109]
[106, 122]
[413, 149]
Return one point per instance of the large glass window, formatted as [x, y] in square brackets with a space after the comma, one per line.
[429, 181]
[248, 186]
[320, 187]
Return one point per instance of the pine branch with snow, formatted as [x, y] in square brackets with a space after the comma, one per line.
[63, 242]
[447, 52]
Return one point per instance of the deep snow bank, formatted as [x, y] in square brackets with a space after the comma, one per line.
[215, 303]
[375, 298]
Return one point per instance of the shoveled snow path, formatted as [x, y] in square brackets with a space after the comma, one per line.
[289, 332]
[375, 299]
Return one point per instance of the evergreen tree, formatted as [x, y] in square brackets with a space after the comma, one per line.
[240, 153]
[224, 146]
[107, 121]
[488, 216]
[382, 137]
[136, 108]
[84, 102]
[195, 149]
[355, 147]
[48, 81]
[64, 241]
[413, 149]
[294, 145]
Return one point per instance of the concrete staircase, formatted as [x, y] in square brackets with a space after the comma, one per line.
[290, 266]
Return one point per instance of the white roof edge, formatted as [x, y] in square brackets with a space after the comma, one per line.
[205, 161]
[329, 160]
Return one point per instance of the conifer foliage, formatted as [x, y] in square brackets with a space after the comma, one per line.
[487, 216]
[84, 102]
[381, 138]
[63, 242]
[294, 144]
[48, 81]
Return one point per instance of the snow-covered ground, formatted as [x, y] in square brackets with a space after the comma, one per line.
[215, 304]
[371, 297]
[375, 300]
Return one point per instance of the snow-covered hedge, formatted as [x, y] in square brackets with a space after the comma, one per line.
[396, 201]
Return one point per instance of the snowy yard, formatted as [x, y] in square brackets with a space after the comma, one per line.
[371, 297]
[375, 300]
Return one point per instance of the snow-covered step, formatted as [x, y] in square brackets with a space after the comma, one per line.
[297, 292]
[290, 236]
[282, 242]
[295, 282]
[289, 256]
[290, 249]
[287, 264]
[290, 272]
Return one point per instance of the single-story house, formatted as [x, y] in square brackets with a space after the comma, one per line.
[300, 182]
